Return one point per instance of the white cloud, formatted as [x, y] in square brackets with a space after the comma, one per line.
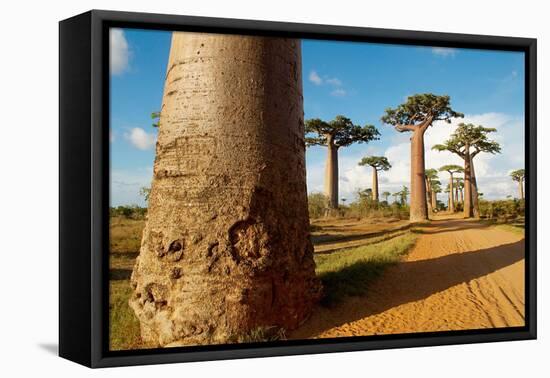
[334, 81]
[492, 170]
[315, 78]
[119, 52]
[140, 138]
[338, 92]
[444, 51]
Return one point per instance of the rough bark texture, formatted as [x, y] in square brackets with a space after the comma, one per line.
[475, 194]
[419, 209]
[331, 174]
[226, 250]
[467, 183]
[375, 195]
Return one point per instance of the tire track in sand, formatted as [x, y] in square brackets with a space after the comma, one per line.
[460, 275]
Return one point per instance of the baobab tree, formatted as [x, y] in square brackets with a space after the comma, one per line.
[415, 116]
[436, 189]
[402, 195]
[386, 195]
[467, 142]
[451, 169]
[459, 189]
[340, 132]
[226, 250]
[377, 163]
[519, 176]
[430, 176]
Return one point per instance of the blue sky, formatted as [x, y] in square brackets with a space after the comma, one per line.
[358, 80]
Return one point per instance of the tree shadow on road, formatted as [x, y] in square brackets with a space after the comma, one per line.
[415, 280]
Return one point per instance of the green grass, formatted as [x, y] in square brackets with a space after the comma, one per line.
[123, 324]
[125, 234]
[350, 271]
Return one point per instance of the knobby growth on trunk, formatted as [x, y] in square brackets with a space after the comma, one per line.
[340, 132]
[377, 163]
[467, 142]
[415, 116]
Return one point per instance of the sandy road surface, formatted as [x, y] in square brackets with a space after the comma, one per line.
[460, 275]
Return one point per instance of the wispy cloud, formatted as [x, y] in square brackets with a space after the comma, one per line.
[332, 82]
[315, 78]
[119, 52]
[141, 139]
[339, 92]
[444, 52]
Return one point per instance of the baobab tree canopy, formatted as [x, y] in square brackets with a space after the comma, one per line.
[420, 111]
[341, 130]
[451, 168]
[518, 174]
[380, 163]
[472, 136]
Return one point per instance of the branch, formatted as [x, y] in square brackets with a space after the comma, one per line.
[402, 128]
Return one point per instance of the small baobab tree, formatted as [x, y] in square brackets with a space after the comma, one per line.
[451, 169]
[415, 116]
[436, 189]
[403, 194]
[467, 142]
[340, 132]
[386, 195]
[377, 163]
[459, 189]
[430, 176]
[519, 176]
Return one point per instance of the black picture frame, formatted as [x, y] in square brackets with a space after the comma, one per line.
[84, 187]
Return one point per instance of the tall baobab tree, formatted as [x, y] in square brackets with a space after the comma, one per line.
[451, 169]
[415, 116]
[436, 189]
[377, 163]
[467, 142]
[386, 195]
[519, 176]
[225, 250]
[430, 176]
[340, 132]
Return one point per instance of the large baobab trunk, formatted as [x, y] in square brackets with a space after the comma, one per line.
[331, 174]
[225, 249]
[475, 194]
[419, 209]
[375, 185]
[467, 183]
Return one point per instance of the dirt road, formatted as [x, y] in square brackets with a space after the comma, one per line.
[460, 275]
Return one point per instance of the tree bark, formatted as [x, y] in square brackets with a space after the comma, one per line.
[375, 195]
[467, 183]
[521, 195]
[429, 196]
[451, 194]
[456, 193]
[475, 193]
[226, 249]
[418, 209]
[331, 174]
[434, 200]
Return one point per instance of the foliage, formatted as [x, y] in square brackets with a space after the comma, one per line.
[349, 272]
[451, 168]
[124, 330]
[469, 136]
[502, 209]
[518, 175]
[155, 116]
[145, 192]
[419, 111]
[380, 163]
[340, 130]
[129, 212]
[402, 195]
[317, 204]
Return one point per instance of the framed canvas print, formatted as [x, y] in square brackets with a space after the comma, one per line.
[233, 188]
